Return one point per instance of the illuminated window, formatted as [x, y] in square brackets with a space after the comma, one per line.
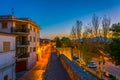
[6, 46]
[4, 25]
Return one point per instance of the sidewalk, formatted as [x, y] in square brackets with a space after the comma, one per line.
[37, 71]
[56, 70]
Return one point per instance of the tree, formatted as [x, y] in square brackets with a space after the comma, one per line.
[73, 33]
[76, 31]
[65, 41]
[116, 30]
[105, 27]
[76, 35]
[88, 32]
[88, 47]
[95, 24]
[58, 42]
[114, 46]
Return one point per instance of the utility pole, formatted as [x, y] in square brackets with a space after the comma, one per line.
[101, 64]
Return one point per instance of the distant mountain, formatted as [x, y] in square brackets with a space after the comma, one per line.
[45, 39]
[100, 38]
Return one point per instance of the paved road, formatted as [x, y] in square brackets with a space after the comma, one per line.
[55, 70]
[111, 68]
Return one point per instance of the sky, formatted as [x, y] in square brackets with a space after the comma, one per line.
[56, 17]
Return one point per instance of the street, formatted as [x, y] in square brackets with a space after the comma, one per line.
[111, 68]
[36, 73]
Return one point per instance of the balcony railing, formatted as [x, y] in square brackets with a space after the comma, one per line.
[25, 43]
[23, 55]
[20, 30]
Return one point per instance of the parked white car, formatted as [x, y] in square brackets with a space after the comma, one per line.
[92, 64]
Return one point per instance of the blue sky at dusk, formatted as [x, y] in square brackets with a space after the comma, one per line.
[56, 17]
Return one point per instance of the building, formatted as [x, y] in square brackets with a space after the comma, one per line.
[7, 56]
[27, 40]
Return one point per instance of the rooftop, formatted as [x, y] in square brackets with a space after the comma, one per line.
[12, 17]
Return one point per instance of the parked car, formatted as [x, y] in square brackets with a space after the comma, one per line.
[92, 64]
[75, 57]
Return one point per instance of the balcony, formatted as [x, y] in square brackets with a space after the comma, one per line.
[22, 43]
[22, 55]
[20, 30]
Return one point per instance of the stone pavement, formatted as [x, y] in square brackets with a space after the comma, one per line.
[55, 69]
[37, 71]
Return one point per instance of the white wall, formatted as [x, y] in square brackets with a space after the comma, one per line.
[32, 58]
[8, 30]
[4, 38]
[7, 59]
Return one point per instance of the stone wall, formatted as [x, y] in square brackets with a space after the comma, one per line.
[66, 52]
[74, 71]
[69, 70]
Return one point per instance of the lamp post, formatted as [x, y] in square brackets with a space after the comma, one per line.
[72, 52]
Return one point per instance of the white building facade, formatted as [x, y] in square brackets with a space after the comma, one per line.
[7, 56]
[27, 39]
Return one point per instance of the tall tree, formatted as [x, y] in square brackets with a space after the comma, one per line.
[73, 33]
[116, 30]
[65, 41]
[114, 46]
[76, 31]
[58, 42]
[95, 24]
[105, 27]
[76, 35]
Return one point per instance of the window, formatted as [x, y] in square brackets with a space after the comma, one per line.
[30, 49]
[30, 27]
[4, 25]
[34, 39]
[38, 39]
[34, 29]
[23, 26]
[34, 49]
[30, 38]
[6, 46]
[38, 31]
